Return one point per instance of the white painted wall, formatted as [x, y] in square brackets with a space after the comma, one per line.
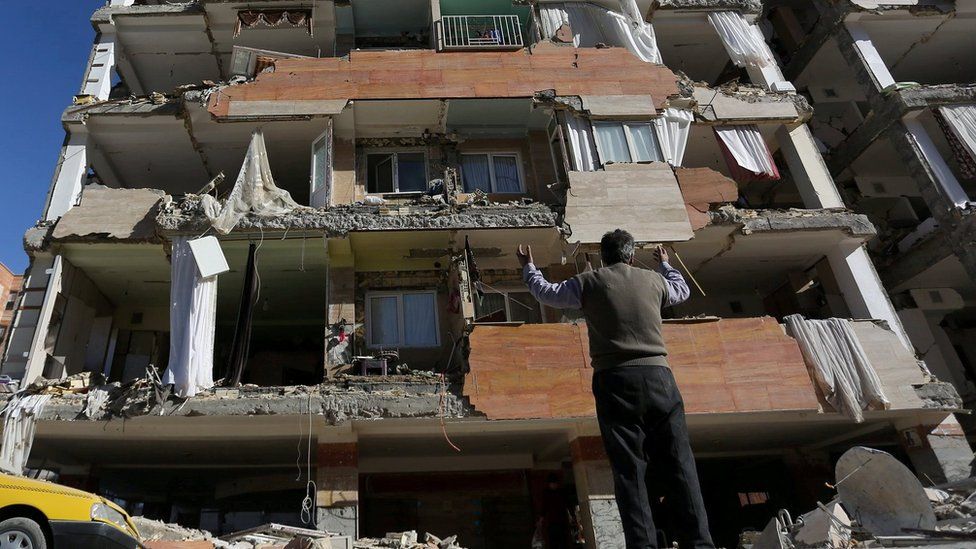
[98, 77]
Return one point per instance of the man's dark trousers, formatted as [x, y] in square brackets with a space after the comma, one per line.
[642, 420]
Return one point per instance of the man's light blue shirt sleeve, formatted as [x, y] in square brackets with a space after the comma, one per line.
[561, 295]
[678, 291]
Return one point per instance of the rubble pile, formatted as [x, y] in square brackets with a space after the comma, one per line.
[408, 540]
[879, 503]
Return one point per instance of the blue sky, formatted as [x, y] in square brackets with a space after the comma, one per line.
[47, 49]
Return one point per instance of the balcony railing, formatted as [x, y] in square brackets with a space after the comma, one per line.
[480, 32]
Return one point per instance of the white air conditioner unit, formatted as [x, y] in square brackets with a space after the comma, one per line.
[937, 299]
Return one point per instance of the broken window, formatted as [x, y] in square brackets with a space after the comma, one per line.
[396, 172]
[627, 142]
[402, 319]
[503, 306]
[492, 172]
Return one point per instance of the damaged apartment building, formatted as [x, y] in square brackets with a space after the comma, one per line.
[369, 360]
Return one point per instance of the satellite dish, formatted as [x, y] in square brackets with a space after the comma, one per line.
[881, 493]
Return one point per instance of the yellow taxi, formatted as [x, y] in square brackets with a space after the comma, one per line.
[35, 514]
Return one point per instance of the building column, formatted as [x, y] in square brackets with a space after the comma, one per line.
[101, 67]
[807, 167]
[337, 481]
[594, 487]
[940, 453]
[69, 176]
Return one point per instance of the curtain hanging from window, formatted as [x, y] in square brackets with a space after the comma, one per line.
[419, 324]
[745, 43]
[19, 425]
[475, 172]
[673, 127]
[254, 191]
[241, 346]
[192, 319]
[962, 121]
[506, 174]
[746, 153]
[579, 133]
[612, 143]
[839, 364]
[592, 25]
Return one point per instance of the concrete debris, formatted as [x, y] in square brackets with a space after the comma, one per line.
[414, 395]
[408, 540]
[879, 501]
[793, 219]
[188, 215]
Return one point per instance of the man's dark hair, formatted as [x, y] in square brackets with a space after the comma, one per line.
[616, 247]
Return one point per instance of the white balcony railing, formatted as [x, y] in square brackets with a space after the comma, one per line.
[480, 32]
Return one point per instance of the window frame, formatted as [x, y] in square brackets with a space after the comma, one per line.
[401, 332]
[631, 148]
[324, 138]
[508, 303]
[491, 168]
[396, 167]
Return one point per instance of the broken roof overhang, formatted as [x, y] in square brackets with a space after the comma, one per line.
[749, 105]
[742, 6]
[104, 15]
[855, 225]
[187, 216]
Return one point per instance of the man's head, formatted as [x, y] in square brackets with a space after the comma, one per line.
[617, 247]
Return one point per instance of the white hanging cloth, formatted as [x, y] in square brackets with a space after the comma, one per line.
[641, 32]
[839, 364]
[962, 120]
[745, 43]
[673, 127]
[19, 426]
[748, 148]
[592, 25]
[582, 148]
[192, 320]
[254, 191]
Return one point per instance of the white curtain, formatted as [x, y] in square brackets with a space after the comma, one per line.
[748, 148]
[579, 134]
[475, 172]
[962, 120]
[419, 324]
[506, 174]
[673, 127]
[840, 366]
[612, 142]
[192, 319]
[254, 191]
[592, 25]
[19, 425]
[745, 43]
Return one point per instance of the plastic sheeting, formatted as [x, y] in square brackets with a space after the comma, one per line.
[840, 366]
[579, 134]
[254, 191]
[745, 43]
[962, 120]
[748, 151]
[192, 319]
[593, 24]
[19, 425]
[673, 127]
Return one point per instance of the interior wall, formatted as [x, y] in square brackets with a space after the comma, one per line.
[77, 306]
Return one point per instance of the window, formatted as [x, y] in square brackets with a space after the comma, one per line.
[407, 319]
[396, 172]
[320, 162]
[492, 172]
[627, 142]
[508, 307]
[752, 498]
